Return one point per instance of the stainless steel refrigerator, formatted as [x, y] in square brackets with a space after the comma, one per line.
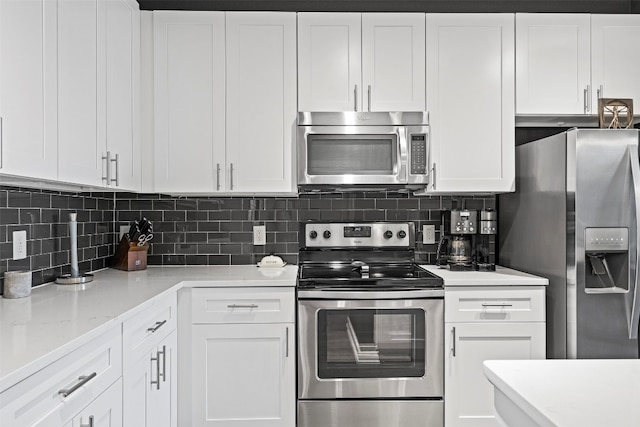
[574, 220]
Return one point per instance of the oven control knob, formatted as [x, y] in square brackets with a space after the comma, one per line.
[326, 234]
[388, 234]
[313, 234]
[402, 234]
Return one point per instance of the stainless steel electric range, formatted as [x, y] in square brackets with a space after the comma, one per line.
[370, 328]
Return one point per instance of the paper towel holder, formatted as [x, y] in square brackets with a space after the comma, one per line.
[74, 278]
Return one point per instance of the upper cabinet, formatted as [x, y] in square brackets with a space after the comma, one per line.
[565, 62]
[470, 83]
[361, 62]
[28, 145]
[225, 102]
[68, 80]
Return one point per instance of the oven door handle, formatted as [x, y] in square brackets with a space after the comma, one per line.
[370, 294]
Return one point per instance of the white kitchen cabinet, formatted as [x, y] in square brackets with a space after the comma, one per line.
[553, 63]
[104, 411]
[150, 366]
[470, 87]
[361, 62]
[261, 102]
[98, 41]
[240, 358]
[615, 57]
[28, 141]
[189, 97]
[485, 323]
[565, 62]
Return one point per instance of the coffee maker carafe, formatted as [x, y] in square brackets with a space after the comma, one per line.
[465, 242]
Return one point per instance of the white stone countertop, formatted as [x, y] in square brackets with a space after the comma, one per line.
[566, 393]
[501, 277]
[55, 319]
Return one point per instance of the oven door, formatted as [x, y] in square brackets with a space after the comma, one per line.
[370, 348]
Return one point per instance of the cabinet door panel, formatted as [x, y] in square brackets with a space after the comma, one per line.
[243, 375]
[105, 410]
[552, 63]
[28, 141]
[468, 393]
[615, 57]
[162, 399]
[122, 75]
[261, 101]
[189, 91]
[470, 82]
[79, 63]
[393, 62]
[329, 62]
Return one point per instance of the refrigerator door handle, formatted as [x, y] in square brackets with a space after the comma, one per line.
[634, 314]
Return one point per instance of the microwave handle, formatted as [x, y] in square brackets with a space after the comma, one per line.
[433, 176]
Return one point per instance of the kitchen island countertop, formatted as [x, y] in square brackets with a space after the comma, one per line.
[56, 319]
[566, 393]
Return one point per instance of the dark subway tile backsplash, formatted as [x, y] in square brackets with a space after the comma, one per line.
[195, 230]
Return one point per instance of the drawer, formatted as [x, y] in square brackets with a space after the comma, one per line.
[242, 305]
[500, 303]
[142, 332]
[84, 373]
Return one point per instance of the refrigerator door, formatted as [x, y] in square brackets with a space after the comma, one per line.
[633, 311]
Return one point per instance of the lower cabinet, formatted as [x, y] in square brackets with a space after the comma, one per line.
[104, 411]
[489, 324]
[240, 358]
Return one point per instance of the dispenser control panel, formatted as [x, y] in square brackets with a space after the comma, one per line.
[606, 239]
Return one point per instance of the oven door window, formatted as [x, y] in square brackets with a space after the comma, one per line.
[371, 343]
[352, 154]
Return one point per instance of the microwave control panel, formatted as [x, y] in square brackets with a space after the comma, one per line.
[418, 154]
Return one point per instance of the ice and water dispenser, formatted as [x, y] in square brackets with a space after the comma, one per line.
[607, 260]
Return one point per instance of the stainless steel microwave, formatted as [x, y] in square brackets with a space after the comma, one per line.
[375, 148]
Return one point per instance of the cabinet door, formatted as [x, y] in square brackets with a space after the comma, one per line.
[243, 375]
[261, 101]
[80, 149]
[104, 411]
[553, 60]
[163, 396]
[615, 57]
[471, 112]
[468, 393]
[122, 22]
[189, 97]
[329, 62]
[393, 61]
[28, 141]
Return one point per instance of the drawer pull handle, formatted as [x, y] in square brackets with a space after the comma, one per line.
[157, 326]
[484, 304]
[82, 381]
[232, 306]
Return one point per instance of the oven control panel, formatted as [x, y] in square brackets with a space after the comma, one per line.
[375, 234]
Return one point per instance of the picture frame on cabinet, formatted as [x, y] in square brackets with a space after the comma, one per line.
[612, 110]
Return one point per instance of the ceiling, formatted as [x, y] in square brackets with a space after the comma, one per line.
[442, 6]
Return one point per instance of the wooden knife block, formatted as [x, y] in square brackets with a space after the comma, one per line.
[129, 256]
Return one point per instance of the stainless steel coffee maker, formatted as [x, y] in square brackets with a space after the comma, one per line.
[465, 244]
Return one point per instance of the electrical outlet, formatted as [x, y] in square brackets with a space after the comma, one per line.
[124, 229]
[259, 235]
[20, 244]
[428, 234]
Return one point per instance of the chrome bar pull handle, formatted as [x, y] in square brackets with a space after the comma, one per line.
[116, 160]
[218, 176]
[232, 306]
[107, 161]
[355, 98]
[601, 92]
[286, 340]
[90, 422]
[82, 381]
[484, 304]
[157, 326]
[230, 176]
[369, 97]
[585, 104]
[453, 341]
[433, 177]
[157, 380]
[164, 364]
